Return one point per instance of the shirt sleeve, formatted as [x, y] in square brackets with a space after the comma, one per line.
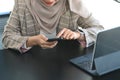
[24, 48]
[90, 27]
[88, 40]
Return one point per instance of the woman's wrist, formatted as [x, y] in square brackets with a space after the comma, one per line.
[82, 36]
[82, 39]
[32, 41]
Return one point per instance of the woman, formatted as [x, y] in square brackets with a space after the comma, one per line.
[32, 22]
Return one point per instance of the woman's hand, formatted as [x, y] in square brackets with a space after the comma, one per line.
[68, 34]
[40, 40]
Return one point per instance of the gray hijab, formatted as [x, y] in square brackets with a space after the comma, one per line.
[46, 17]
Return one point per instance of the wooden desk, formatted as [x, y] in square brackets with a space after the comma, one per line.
[47, 64]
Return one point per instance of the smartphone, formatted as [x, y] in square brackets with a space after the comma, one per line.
[54, 39]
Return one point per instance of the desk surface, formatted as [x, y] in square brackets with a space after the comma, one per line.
[47, 64]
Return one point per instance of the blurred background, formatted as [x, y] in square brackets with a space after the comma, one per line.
[6, 6]
[106, 11]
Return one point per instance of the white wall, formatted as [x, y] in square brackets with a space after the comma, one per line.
[6, 6]
[106, 11]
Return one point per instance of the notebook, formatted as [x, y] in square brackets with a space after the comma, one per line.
[105, 55]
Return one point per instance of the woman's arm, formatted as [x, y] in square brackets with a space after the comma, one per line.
[12, 32]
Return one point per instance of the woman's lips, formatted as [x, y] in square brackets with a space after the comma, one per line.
[49, 3]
